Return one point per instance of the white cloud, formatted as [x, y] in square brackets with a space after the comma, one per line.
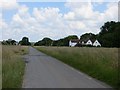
[38, 15]
[85, 13]
[112, 11]
[47, 14]
[8, 4]
[17, 19]
[23, 9]
[76, 25]
[49, 22]
[69, 16]
[3, 24]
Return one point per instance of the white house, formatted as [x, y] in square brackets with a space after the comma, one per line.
[89, 42]
[96, 43]
[93, 43]
[83, 42]
[73, 43]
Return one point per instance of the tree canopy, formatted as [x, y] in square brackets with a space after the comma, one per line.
[44, 42]
[9, 42]
[108, 37]
[87, 36]
[64, 41]
[60, 42]
[25, 41]
[109, 34]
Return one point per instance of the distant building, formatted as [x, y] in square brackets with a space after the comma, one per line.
[89, 42]
[73, 42]
[96, 43]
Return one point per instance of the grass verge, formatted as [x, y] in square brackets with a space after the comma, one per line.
[13, 66]
[100, 63]
[0, 66]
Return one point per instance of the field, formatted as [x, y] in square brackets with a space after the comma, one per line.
[0, 67]
[13, 66]
[100, 63]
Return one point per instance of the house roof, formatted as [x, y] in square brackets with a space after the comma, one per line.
[74, 40]
[86, 40]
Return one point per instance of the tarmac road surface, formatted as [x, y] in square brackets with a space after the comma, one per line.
[43, 71]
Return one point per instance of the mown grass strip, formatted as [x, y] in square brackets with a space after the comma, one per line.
[100, 63]
[13, 66]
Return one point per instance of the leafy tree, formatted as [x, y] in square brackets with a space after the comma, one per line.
[8, 42]
[44, 42]
[64, 41]
[87, 36]
[13, 42]
[107, 27]
[60, 42]
[109, 34]
[25, 41]
[67, 39]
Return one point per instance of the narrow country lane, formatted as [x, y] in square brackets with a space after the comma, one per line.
[43, 71]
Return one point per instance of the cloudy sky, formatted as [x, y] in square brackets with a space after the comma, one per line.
[37, 20]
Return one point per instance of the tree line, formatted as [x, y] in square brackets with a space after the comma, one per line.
[24, 41]
[108, 37]
[61, 42]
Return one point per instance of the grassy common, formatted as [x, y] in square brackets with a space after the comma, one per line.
[0, 66]
[100, 63]
[13, 66]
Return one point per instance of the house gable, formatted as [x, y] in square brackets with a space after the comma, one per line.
[89, 42]
[73, 42]
[96, 43]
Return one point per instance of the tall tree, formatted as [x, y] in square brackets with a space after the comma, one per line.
[64, 41]
[25, 41]
[44, 42]
[109, 34]
[87, 36]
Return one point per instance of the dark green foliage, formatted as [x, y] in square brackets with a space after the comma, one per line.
[13, 42]
[25, 41]
[60, 42]
[44, 42]
[88, 36]
[9, 42]
[64, 41]
[109, 35]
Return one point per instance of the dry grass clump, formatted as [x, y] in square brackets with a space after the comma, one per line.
[0, 66]
[13, 66]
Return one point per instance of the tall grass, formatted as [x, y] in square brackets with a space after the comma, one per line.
[0, 66]
[12, 66]
[100, 63]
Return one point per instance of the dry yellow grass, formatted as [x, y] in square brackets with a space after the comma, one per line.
[13, 66]
[0, 66]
